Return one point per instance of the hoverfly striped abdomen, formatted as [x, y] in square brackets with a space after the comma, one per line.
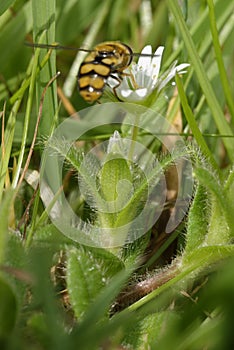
[106, 59]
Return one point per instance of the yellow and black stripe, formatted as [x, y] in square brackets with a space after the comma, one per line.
[106, 58]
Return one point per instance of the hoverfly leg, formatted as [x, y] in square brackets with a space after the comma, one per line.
[119, 80]
[132, 80]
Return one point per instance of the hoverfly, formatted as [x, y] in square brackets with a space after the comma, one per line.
[105, 60]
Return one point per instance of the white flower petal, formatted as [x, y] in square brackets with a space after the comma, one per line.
[182, 66]
[124, 85]
[159, 52]
[156, 62]
[171, 74]
[125, 93]
[140, 78]
[136, 95]
[141, 92]
[149, 82]
[113, 82]
[145, 61]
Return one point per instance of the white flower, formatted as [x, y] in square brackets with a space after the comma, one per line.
[142, 78]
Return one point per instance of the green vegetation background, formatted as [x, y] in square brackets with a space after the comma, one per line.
[194, 309]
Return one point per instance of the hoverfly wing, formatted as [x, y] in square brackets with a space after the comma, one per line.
[137, 54]
[56, 46]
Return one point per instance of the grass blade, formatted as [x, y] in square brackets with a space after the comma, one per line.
[212, 101]
[4, 5]
[44, 19]
[219, 58]
[193, 125]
